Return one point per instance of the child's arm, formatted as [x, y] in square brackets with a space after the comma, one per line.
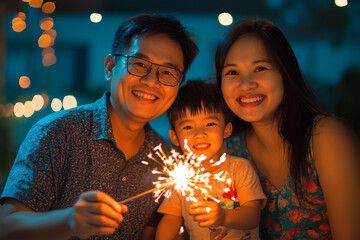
[168, 227]
[210, 214]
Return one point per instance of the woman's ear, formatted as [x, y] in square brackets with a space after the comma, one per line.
[109, 65]
[173, 137]
[228, 130]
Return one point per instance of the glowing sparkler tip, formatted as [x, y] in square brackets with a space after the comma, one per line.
[184, 172]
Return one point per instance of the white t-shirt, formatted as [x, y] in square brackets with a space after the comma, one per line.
[247, 186]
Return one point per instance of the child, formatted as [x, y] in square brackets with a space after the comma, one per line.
[200, 115]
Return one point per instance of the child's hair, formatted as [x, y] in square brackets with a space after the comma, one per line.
[197, 96]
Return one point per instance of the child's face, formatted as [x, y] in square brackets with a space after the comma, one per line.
[204, 133]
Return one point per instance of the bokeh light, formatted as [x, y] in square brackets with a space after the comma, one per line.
[29, 109]
[37, 102]
[341, 3]
[21, 15]
[36, 3]
[69, 101]
[48, 59]
[225, 19]
[18, 25]
[95, 17]
[44, 41]
[46, 99]
[56, 105]
[6, 110]
[46, 23]
[48, 50]
[24, 82]
[48, 7]
[51, 33]
[16, 19]
[19, 109]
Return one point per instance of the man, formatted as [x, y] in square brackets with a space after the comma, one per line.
[75, 166]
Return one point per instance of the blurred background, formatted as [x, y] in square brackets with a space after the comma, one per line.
[52, 52]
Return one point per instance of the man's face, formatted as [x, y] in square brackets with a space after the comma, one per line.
[142, 99]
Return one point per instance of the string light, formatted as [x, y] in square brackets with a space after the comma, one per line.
[95, 17]
[341, 3]
[225, 19]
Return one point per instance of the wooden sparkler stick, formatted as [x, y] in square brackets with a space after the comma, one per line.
[146, 192]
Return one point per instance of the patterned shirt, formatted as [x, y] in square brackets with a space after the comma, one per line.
[74, 151]
[284, 217]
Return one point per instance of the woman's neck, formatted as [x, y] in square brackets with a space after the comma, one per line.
[267, 135]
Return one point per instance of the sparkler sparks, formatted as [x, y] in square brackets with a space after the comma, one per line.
[185, 173]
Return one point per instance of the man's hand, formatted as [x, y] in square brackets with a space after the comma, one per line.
[96, 213]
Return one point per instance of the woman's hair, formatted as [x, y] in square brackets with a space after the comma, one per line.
[299, 106]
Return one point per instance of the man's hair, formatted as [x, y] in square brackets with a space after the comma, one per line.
[151, 24]
[198, 96]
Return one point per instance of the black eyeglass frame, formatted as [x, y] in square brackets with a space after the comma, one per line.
[182, 76]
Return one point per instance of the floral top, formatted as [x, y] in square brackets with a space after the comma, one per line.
[284, 217]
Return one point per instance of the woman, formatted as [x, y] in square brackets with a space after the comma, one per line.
[308, 162]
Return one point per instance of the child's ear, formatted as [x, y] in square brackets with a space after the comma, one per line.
[173, 137]
[228, 130]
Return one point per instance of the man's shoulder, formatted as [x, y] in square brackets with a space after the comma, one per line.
[75, 120]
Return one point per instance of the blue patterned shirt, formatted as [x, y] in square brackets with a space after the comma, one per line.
[74, 151]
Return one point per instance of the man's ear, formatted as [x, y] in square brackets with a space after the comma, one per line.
[109, 65]
[228, 130]
[173, 137]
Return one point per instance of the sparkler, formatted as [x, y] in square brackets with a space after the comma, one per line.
[184, 172]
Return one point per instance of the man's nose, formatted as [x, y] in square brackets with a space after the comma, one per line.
[151, 79]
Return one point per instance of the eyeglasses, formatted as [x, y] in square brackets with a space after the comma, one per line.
[140, 67]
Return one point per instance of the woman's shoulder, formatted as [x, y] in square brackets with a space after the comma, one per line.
[329, 126]
[333, 137]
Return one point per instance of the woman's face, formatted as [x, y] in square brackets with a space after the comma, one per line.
[251, 83]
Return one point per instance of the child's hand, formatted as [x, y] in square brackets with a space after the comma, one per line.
[207, 214]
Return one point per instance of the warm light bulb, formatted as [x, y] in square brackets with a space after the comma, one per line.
[69, 102]
[38, 102]
[29, 109]
[24, 82]
[19, 109]
[56, 105]
[48, 7]
[225, 19]
[341, 3]
[95, 17]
